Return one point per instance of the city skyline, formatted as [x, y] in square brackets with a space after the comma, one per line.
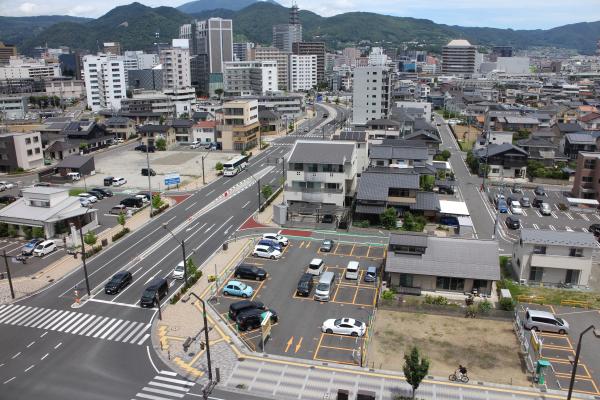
[535, 14]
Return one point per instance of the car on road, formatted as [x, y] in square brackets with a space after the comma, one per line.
[539, 191]
[326, 246]
[210, 146]
[6, 185]
[515, 208]
[89, 197]
[344, 326]
[525, 202]
[155, 291]
[104, 192]
[253, 318]
[545, 209]
[118, 282]
[243, 305]
[195, 144]
[142, 197]
[237, 288]
[502, 206]
[28, 247]
[266, 252]
[271, 243]
[282, 240]
[305, 285]
[247, 271]
[44, 248]
[7, 199]
[179, 271]
[118, 181]
[118, 140]
[512, 222]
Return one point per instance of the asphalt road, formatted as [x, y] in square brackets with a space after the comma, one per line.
[102, 350]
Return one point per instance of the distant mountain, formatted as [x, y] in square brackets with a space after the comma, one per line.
[17, 29]
[204, 5]
[135, 26]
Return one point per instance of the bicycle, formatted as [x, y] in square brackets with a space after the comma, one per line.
[458, 377]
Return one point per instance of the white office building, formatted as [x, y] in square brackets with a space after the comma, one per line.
[23, 68]
[105, 81]
[302, 72]
[247, 78]
[371, 94]
[377, 58]
[175, 62]
[140, 60]
[459, 57]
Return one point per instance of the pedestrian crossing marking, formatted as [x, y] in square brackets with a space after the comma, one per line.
[165, 385]
[76, 323]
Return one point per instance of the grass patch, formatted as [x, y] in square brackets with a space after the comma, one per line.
[551, 295]
[76, 191]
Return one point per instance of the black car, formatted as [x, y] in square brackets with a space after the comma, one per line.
[327, 219]
[305, 285]
[247, 271]
[143, 148]
[147, 195]
[442, 189]
[513, 222]
[104, 192]
[156, 290]
[99, 195]
[251, 319]
[148, 171]
[327, 245]
[539, 191]
[595, 229]
[244, 305]
[132, 202]
[7, 199]
[537, 202]
[118, 282]
[525, 202]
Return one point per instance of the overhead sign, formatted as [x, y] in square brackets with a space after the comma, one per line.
[172, 179]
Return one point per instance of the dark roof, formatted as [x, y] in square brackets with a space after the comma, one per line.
[423, 135]
[417, 239]
[380, 151]
[354, 136]
[375, 185]
[384, 122]
[321, 152]
[265, 113]
[496, 149]
[117, 121]
[60, 145]
[580, 138]
[369, 209]
[426, 201]
[74, 161]
[403, 143]
[558, 238]
[181, 123]
[568, 127]
[535, 141]
[154, 128]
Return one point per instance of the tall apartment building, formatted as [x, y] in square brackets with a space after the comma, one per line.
[247, 78]
[175, 62]
[459, 57]
[586, 184]
[23, 68]
[377, 57]
[285, 35]
[371, 94]
[13, 107]
[20, 150]
[140, 60]
[350, 55]
[6, 52]
[240, 125]
[303, 72]
[312, 48]
[241, 50]
[260, 53]
[105, 81]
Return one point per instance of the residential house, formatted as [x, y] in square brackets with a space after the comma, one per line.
[203, 116]
[573, 143]
[151, 133]
[240, 127]
[561, 129]
[504, 160]
[270, 122]
[398, 153]
[517, 123]
[120, 127]
[84, 165]
[417, 261]
[362, 147]
[553, 257]
[493, 137]
[20, 151]
[183, 130]
[87, 135]
[205, 131]
[590, 122]
[586, 184]
[541, 150]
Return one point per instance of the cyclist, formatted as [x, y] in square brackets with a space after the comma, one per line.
[462, 370]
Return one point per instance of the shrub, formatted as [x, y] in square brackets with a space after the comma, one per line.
[3, 230]
[484, 307]
[388, 294]
[471, 311]
[157, 202]
[120, 234]
[76, 191]
[507, 304]
[121, 219]
[436, 300]
[161, 144]
[388, 218]
[266, 191]
[38, 232]
[12, 231]
[27, 231]
[90, 238]
[219, 166]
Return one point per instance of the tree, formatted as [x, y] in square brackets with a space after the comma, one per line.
[388, 218]
[90, 238]
[426, 182]
[291, 127]
[415, 369]
[413, 223]
[219, 166]
[157, 202]
[219, 92]
[192, 268]
[443, 156]
[161, 144]
[38, 232]
[266, 191]
[121, 219]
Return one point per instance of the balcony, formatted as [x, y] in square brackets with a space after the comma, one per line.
[560, 262]
[313, 190]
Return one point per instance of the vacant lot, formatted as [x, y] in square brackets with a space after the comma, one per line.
[489, 349]
[466, 135]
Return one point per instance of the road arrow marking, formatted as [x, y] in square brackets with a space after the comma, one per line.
[289, 344]
[298, 345]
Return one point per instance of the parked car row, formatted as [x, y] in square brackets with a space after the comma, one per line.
[5, 185]
[270, 246]
[93, 195]
[38, 247]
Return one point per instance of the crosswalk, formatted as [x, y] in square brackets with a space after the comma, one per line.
[76, 323]
[165, 386]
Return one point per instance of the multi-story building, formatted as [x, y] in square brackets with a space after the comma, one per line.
[285, 35]
[121, 127]
[105, 82]
[65, 89]
[22, 68]
[553, 257]
[20, 150]
[112, 48]
[260, 53]
[153, 132]
[247, 78]
[184, 100]
[303, 72]
[377, 58]
[6, 52]
[240, 125]
[459, 58]
[290, 106]
[586, 184]
[321, 173]
[371, 93]
[312, 48]
[141, 60]
[148, 107]
[13, 107]
[146, 79]
[241, 50]
[175, 63]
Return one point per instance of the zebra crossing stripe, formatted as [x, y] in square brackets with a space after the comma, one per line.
[31, 317]
[62, 321]
[112, 328]
[95, 327]
[81, 330]
[140, 325]
[52, 321]
[116, 332]
[87, 318]
[76, 320]
[165, 386]
[137, 337]
[122, 335]
[35, 324]
[10, 312]
[159, 391]
[13, 320]
[104, 327]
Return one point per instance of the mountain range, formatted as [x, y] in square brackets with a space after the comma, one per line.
[136, 25]
[205, 5]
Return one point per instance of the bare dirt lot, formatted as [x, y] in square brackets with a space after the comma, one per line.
[488, 348]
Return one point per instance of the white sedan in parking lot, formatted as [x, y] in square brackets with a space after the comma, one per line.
[7, 185]
[89, 197]
[344, 326]
[515, 208]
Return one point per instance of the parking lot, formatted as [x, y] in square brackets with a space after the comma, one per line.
[13, 246]
[298, 330]
[560, 349]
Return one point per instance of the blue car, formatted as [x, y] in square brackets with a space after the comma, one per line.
[27, 249]
[502, 206]
[271, 243]
[237, 288]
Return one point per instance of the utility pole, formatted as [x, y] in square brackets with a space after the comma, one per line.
[258, 187]
[87, 282]
[203, 177]
[12, 290]
[185, 270]
[210, 375]
[149, 182]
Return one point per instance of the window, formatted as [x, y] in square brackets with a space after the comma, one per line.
[29, 152]
[537, 249]
[587, 179]
[457, 284]
[37, 150]
[589, 164]
[406, 280]
[575, 252]
[536, 273]
[36, 139]
[27, 140]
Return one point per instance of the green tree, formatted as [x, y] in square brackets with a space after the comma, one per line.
[161, 144]
[192, 268]
[121, 219]
[161, 121]
[415, 369]
[3, 230]
[443, 156]
[266, 191]
[388, 218]
[426, 182]
[38, 232]
[219, 92]
[90, 238]
[291, 127]
[157, 202]
[413, 223]
[83, 146]
[219, 166]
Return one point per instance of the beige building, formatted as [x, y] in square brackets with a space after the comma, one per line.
[151, 133]
[20, 150]
[273, 54]
[240, 126]
[66, 89]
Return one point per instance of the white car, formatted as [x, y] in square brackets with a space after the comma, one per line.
[46, 247]
[118, 140]
[84, 202]
[266, 252]
[178, 271]
[282, 240]
[89, 197]
[7, 185]
[119, 181]
[344, 326]
[515, 208]
[195, 144]
[142, 196]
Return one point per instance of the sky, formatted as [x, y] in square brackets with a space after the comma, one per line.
[516, 14]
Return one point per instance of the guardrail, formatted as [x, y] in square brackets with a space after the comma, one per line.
[531, 299]
[576, 303]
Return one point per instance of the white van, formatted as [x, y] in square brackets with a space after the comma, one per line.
[73, 176]
[324, 287]
[545, 321]
[46, 247]
[315, 267]
[352, 270]
[119, 181]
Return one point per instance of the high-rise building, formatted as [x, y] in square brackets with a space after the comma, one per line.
[273, 54]
[377, 57]
[371, 94]
[141, 60]
[22, 68]
[285, 35]
[502, 51]
[112, 48]
[247, 78]
[312, 48]
[303, 72]
[350, 55]
[146, 79]
[241, 50]
[6, 52]
[176, 65]
[459, 58]
[105, 81]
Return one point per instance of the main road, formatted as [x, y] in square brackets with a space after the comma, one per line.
[102, 350]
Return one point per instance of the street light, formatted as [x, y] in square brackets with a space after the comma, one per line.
[182, 243]
[576, 362]
[210, 376]
[87, 282]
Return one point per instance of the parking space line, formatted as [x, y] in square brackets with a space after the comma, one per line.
[552, 227]
[585, 217]
[336, 348]
[336, 292]
[257, 290]
[535, 226]
[568, 215]
[585, 230]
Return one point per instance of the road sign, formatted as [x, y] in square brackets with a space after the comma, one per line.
[172, 179]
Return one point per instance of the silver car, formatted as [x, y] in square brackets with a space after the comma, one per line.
[544, 321]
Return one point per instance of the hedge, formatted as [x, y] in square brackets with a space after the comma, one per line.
[160, 209]
[191, 282]
[120, 234]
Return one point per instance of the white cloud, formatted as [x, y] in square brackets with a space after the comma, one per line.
[28, 8]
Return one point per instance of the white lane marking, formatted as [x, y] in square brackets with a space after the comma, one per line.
[568, 215]
[31, 344]
[58, 345]
[11, 379]
[209, 228]
[585, 230]
[32, 317]
[45, 355]
[44, 317]
[248, 202]
[16, 355]
[209, 192]
[552, 227]
[171, 373]
[190, 206]
[116, 332]
[585, 217]
[535, 226]
[44, 334]
[139, 335]
[28, 368]
[136, 331]
[142, 340]
[74, 321]
[227, 230]
[105, 327]
[81, 322]
[152, 277]
[14, 320]
[167, 386]
[92, 325]
[96, 328]
[129, 326]
[150, 357]
[212, 234]
[179, 381]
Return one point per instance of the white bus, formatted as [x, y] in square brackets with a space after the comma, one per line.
[235, 165]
